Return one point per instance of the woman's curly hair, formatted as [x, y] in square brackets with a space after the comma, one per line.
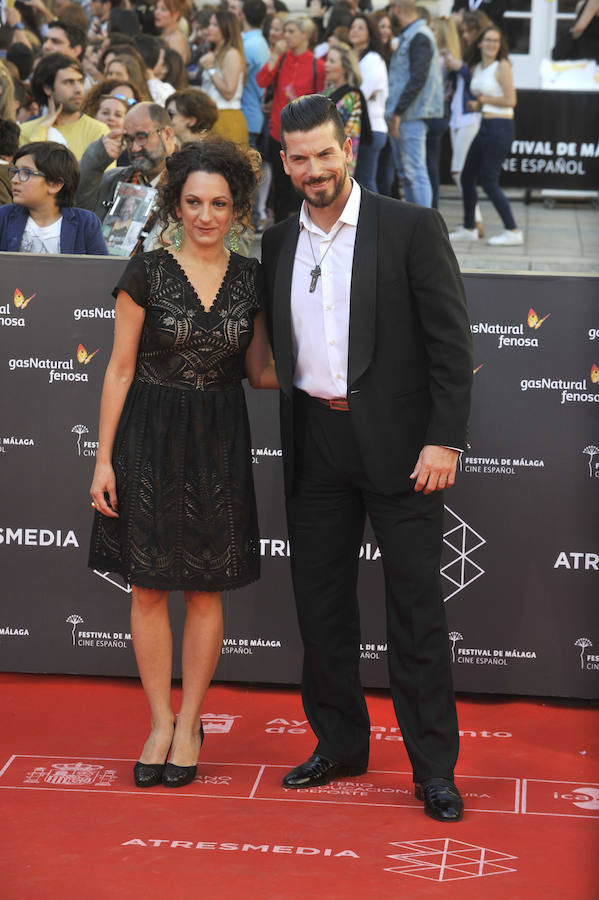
[216, 155]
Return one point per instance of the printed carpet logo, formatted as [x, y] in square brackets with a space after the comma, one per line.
[461, 541]
[444, 859]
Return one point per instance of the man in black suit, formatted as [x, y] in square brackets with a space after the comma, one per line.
[371, 341]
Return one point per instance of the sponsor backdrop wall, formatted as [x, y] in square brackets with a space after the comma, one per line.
[521, 563]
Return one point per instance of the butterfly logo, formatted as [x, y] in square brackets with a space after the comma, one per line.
[595, 374]
[83, 356]
[478, 368]
[19, 299]
[533, 319]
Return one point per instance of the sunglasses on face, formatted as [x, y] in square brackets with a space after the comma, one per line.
[23, 174]
[130, 101]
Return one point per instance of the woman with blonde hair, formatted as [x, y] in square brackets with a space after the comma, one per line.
[448, 45]
[127, 66]
[224, 74]
[343, 78]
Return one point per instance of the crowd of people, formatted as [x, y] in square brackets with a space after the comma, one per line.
[122, 83]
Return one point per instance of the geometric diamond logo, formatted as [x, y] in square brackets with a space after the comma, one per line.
[107, 577]
[444, 859]
[460, 542]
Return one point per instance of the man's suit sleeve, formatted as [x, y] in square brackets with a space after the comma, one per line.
[438, 289]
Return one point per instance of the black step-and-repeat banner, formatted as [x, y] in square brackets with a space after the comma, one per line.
[557, 142]
[521, 563]
[556, 146]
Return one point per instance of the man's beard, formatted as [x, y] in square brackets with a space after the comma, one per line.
[143, 161]
[71, 106]
[326, 198]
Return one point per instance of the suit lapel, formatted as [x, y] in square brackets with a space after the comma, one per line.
[282, 308]
[362, 305]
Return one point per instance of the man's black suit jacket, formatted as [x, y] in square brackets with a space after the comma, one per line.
[410, 357]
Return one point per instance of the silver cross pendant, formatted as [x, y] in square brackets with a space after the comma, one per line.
[315, 273]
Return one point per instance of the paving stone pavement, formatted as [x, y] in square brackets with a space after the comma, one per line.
[562, 239]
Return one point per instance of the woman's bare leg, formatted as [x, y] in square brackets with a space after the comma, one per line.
[202, 640]
[153, 644]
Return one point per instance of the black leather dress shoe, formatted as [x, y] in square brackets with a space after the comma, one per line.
[442, 800]
[178, 776]
[147, 774]
[319, 770]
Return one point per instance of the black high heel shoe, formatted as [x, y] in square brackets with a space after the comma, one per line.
[149, 774]
[178, 776]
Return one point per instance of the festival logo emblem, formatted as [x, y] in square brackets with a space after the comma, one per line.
[79, 430]
[74, 620]
[445, 859]
[533, 319]
[583, 643]
[19, 299]
[83, 356]
[591, 450]
[454, 636]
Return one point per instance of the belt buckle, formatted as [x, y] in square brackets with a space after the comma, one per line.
[340, 404]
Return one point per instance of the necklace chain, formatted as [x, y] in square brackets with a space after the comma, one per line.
[316, 272]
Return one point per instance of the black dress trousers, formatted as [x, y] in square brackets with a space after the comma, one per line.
[326, 514]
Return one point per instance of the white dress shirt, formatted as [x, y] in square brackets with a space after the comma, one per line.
[320, 320]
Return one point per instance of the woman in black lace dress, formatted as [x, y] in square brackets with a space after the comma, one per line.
[173, 490]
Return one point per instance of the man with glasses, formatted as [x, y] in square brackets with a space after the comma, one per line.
[149, 138]
[57, 84]
[42, 219]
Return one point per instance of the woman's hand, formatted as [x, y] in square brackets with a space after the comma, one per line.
[474, 105]
[104, 482]
[208, 60]
[451, 62]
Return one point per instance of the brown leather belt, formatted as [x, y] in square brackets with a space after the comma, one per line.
[339, 403]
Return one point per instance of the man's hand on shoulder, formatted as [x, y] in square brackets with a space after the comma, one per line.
[435, 468]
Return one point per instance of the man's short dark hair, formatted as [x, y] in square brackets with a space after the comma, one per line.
[74, 35]
[254, 12]
[308, 112]
[148, 46]
[9, 138]
[57, 163]
[21, 56]
[158, 114]
[46, 71]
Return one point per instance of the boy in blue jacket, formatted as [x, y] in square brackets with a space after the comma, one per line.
[44, 179]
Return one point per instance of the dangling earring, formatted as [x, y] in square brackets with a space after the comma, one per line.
[233, 237]
[178, 236]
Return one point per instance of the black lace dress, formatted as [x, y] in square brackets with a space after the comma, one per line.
[182, 457]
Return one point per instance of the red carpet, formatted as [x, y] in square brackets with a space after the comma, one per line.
[74, 825]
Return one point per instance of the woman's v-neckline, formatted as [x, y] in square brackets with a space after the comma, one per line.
[205, 309]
